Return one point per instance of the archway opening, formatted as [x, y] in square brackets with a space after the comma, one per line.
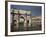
[21, 23]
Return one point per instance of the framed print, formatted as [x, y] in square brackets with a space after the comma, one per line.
[24, 18]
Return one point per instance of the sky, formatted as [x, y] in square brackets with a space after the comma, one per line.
[36, 10]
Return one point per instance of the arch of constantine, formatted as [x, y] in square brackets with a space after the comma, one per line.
[20, 18]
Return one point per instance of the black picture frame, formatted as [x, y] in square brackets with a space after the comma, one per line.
[6, 18]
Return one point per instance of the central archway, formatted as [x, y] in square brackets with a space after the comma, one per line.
[21, 23]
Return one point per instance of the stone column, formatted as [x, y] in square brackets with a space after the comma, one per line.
[29, 21]
[25, 23]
